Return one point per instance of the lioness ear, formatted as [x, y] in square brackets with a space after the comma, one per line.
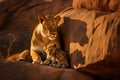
[57, 18]
[41, 18]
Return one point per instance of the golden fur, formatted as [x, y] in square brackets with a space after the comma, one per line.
[55, 56]
[44, 34]
[24, 55]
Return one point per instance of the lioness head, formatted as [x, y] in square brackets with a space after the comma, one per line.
[49, 26]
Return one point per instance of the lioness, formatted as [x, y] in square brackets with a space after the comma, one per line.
[44, 34]
[55, 56]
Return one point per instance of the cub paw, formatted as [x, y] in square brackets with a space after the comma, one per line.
[47, 62]
[59, 65]
[56, 65]
[64, 66]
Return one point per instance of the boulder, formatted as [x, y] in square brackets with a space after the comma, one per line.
[91, 39]
[104, 5]
[89, 36]
[28, 71]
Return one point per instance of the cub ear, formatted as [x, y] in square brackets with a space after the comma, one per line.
[41, 18]
[57, 18]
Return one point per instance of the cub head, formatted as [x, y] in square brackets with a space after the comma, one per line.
[54, 52]
[50, 49]
[49, 26]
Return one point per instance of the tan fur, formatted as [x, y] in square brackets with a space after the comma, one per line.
[44, 34]
[55, 56]
[18, 56]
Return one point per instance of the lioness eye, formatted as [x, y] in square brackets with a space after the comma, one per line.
[53, 33]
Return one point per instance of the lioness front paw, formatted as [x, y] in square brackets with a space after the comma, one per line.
[64, 66]
[20, 59]
[36, 62]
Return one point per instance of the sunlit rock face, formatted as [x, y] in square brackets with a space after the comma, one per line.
[90, 35]
[104, 5]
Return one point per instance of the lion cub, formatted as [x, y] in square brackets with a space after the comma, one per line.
[45, 33]
[55, 56]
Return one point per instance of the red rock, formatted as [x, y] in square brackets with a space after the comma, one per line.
[89, 35]
[104, 5]
[28, 71]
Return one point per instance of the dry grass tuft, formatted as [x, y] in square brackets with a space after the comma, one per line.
[12, 39]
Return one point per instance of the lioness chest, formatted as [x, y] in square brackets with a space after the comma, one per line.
[38, 41]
